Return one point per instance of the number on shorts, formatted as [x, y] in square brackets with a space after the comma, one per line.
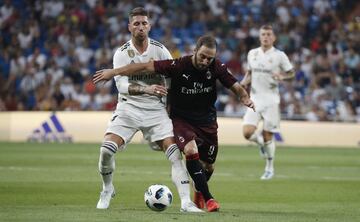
[211, 150]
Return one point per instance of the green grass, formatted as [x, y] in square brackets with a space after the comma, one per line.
[60, 182]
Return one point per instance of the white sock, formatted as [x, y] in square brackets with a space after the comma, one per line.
[107, 163]
[257, 138]
[270, 152]
[179, 174]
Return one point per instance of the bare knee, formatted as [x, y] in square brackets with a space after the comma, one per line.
[114, 138]
[190, 148]
[248, 130]
[165, 143]
[267, 135]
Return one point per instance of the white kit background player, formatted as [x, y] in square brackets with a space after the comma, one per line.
[266, 67]
[140, 107]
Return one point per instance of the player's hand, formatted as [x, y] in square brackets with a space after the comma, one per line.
[103, 75]
[248, 102]
[156, 90]
[277, 76]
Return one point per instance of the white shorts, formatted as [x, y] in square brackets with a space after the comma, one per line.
[127, 120]
[270, 115]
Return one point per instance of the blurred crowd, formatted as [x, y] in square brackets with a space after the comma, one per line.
[50, 49]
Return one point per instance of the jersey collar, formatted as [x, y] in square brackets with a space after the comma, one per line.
[136, 51]
[267, 51]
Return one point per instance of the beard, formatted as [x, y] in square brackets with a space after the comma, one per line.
[141, 36]
[198, 65]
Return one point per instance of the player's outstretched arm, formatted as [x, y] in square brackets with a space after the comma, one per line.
[243, 95]
[155, 90]
[128, 70]
[247, 79]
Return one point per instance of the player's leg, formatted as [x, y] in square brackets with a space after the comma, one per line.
[196, 170]
[185, 138]
[121, 128]
[197, 173]
[198, 197]
[207, 142]
[209, 169]
[179, 174]
[106, 168]
[269, 147]
[271, 125]
[162, 132]
[250, 122]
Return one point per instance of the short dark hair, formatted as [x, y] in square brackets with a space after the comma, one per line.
[267, 27]
[138, 11]
[206, 40]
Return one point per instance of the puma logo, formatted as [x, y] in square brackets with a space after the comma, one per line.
[199, 172]
[186, 76]
[173, 63]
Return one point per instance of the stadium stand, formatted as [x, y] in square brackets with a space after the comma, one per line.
[50, 49]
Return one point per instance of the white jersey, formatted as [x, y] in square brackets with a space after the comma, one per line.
[127, 54]
[264, 89]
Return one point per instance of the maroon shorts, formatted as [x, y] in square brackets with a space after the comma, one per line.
[204, 136]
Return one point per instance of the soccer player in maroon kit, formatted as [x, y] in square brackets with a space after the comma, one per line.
[192, 107]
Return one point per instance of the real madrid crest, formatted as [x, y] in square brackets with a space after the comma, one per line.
[208, 74]
[131, 53]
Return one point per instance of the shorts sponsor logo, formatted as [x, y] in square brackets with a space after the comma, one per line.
[50, 131]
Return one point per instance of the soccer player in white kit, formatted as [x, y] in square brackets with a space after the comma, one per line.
[141, 107]
[266, 67]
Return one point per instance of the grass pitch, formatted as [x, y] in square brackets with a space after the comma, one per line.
[60, 182]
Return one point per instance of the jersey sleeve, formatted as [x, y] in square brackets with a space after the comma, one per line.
[285, 63]
[122, 82]
[119, 59]
[165, 67]
[224, 75]
[165, 54]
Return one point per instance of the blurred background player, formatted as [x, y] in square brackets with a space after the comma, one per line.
[266, 67]
[192, 107]
[139, 111]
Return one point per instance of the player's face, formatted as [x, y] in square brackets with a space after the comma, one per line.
[139, 27]
[267, 37]
[204, 56]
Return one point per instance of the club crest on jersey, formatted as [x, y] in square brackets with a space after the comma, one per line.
[131, 53]
[181, 139]
[208, 74]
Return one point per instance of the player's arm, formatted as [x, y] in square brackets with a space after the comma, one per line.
[284, 76]
[284, 65]
[247, 79]
[156, 90]
[128, 70]
[243, 95]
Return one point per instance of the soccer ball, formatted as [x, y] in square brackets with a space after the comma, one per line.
[158, 197]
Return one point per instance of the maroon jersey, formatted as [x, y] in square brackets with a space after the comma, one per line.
[193, 92]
